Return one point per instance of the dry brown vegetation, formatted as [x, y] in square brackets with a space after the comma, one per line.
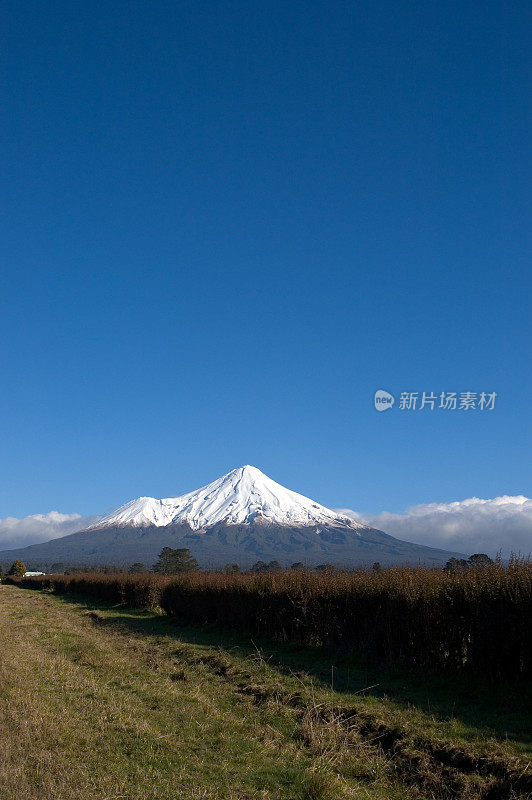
[474, 620]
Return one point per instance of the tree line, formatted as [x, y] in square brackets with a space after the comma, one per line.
[175, 561]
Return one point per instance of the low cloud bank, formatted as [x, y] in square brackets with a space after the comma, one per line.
[467, 526]
[15, 532]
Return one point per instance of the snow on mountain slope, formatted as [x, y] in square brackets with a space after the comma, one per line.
[242, 496]
[142, 512]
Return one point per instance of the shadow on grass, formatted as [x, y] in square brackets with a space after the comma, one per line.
[502, 710]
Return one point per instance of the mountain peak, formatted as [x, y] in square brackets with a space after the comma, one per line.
[240, 497]
[249, 472]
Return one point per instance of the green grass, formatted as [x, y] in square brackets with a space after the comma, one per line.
[107, 702]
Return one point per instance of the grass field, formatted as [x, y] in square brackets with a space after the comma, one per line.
[104, 702]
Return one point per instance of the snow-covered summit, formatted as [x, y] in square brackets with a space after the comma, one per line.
[242, 496]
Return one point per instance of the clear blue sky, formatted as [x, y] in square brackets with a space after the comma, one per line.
[227, 224]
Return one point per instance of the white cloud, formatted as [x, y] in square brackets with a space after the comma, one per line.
[15, 532]
[467, 526]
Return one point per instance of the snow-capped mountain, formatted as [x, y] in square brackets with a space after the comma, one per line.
[241, 518]
[242, 496]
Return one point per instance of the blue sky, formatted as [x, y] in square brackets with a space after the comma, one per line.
[226, 225]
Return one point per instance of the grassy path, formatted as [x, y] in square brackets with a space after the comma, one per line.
[106, 703]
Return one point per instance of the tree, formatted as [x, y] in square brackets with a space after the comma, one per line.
[17, 568]
[231, 569]
[173, 562]
[376, 566]
[297, 565]
[271, 566]
[1, 573]
[456, 563]
[136, 568]
[57, 567]
[479, 560]
[325, 568]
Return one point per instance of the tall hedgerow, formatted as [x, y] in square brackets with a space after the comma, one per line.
[475, 620]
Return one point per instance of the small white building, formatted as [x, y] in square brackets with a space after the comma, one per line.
[30, 574]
